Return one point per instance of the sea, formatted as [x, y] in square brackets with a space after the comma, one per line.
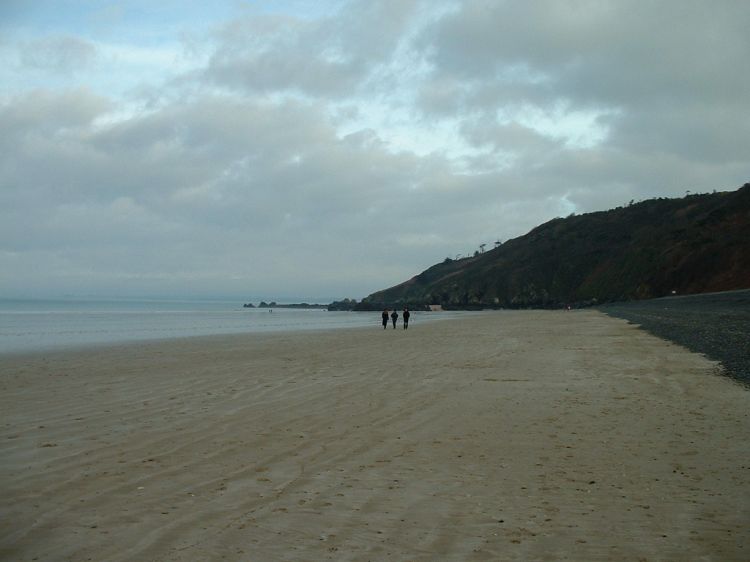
[38, 325]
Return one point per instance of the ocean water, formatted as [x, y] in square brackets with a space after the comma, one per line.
[35, 325]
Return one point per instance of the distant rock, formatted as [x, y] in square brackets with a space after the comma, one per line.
[346, 304]
[302, 305]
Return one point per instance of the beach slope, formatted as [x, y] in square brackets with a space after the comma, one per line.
[516, 435]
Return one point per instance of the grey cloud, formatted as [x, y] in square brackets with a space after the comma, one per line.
[46, 110]
[630, 46]
[41, 142]
[253, 189]
[220, 183]
[62, 54]
[628, 56]
[268, 53]
[509, 136]
[665, 79]
[710, 132]
[333, 56]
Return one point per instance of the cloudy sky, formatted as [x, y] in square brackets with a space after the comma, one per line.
[330, 149]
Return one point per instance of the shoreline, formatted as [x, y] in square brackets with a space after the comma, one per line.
[116, 346]
[80, 329]
[714, 324]
[499, 436]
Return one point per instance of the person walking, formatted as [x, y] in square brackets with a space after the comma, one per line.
[406, 315]
[394, 317]
[385, 318]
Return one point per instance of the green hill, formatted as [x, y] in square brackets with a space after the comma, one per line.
[695, 244]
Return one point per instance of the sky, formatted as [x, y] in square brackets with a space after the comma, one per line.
[330, 149]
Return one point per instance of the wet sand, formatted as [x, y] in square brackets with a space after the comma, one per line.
[530, 435]
[714, 324]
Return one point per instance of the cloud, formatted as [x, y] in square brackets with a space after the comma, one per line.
[341, 55]
[648, 98]
[269, 53]
[46, 110]
[342, 151]
[667, 71]
[223, 182]
[63, 54]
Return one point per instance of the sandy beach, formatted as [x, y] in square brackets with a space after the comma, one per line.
[530, 435]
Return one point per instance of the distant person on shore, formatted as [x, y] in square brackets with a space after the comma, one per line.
[394, 317]
[406, 315]
[385, 318]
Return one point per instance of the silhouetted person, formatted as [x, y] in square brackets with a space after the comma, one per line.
[406, 317]
[385, 318]
[394, 317]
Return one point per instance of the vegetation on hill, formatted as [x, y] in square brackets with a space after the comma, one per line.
[695, 244]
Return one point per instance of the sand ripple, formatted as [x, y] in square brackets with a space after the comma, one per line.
[504, 436]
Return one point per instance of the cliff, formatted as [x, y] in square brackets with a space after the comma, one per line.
[695, 244]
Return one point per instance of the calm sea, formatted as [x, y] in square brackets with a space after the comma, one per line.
[31, 325]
